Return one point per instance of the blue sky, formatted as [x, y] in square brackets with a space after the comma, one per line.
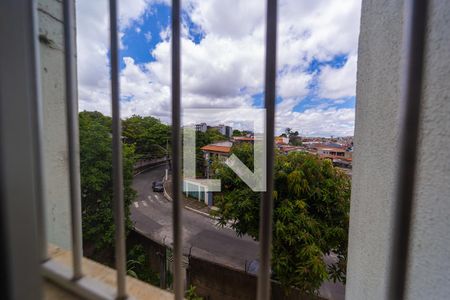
[143, 35]
[223, 60]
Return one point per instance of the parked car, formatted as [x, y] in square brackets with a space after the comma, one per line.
[157, 186]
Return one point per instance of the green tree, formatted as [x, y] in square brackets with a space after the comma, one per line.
[148, 134]
[290, 133]
[295, 141]
[191, 294]
[138, 265]
[237, 132]
[294, 138]
[310, 220]
[96, 184]
[202, 139]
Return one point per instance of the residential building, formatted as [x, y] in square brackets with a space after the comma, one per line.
[217, 150]
[281, 140]
[220, 150]
[243, 139]
[288, 148]
[224, 130]
[202, 127]
[333, 152]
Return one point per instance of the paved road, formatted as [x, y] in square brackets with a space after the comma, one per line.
[152, 215]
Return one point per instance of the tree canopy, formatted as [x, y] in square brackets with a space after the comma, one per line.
[290, 133]
[310, 220]
[148, 134]
[96, 187]
[96, 180]
[211, 135]
[237, 132]
[294, 138]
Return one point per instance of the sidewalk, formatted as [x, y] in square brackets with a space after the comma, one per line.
[189, 203]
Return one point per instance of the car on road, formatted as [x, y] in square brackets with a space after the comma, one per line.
[157, 186]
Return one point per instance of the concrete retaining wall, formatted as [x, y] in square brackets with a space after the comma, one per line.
[211, 280]
[216, 282]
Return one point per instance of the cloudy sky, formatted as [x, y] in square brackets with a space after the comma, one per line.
[223, 59]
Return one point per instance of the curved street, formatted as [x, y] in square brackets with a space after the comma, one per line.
[152, 216]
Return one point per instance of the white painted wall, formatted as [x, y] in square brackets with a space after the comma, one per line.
[54, 119]
[376, 137]
[430, 261]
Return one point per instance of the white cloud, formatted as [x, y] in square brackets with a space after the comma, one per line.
[150, 96]
[218, 67]
[130, 11]
[337, 83]
[230, 19]
[148, 36]
[226, 67]
[93, 45]
[144, 98]
[319, 122]
[293, 84]
[214, 72]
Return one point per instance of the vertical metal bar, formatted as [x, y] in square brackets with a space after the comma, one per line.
[119, 215]
[414, 48]
[36, 118]
[22, 219]
[72, 133]
[176, 149]
[265, 227]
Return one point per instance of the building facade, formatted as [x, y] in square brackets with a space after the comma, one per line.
[202, 127]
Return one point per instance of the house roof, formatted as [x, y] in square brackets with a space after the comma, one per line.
[330, 148]
[290, 148]
[214, 148]
[222, 144]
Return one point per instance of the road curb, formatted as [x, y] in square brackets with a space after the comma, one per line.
[167, 196]
[199, 212]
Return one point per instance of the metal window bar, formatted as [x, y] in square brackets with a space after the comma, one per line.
[176, 150]
[415, 20]
[72, 134]
[119, 215]
[266, 210]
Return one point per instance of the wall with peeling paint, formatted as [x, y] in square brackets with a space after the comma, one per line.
[51, 36]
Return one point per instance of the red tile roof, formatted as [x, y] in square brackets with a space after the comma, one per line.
[213, 148]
